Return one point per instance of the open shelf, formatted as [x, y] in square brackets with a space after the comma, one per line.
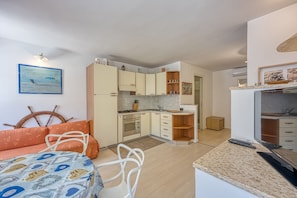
[172, 78]
[183, 127]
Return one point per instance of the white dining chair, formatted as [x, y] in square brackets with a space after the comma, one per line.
[66, 137]
[128, 176]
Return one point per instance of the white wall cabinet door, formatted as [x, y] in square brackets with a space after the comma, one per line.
[127, 81]
[145, 123]
[161, 83]
[104, 79]
[155, 123]
[140, 84]
[150, 84]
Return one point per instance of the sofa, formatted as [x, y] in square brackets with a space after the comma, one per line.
[16, 142]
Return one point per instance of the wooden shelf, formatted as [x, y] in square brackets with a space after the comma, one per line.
[172, 79]
[183, 127]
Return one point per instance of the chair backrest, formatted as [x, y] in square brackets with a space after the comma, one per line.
[134, 160]
[67, 137]
[135, 155]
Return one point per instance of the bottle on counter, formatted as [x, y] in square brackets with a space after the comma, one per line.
[135, 105]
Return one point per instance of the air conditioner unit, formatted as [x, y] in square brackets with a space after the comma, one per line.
[239, 71]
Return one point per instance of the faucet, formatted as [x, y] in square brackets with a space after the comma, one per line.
[288, 111]
[161, 108]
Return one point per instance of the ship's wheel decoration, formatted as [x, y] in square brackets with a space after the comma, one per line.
[34, 117]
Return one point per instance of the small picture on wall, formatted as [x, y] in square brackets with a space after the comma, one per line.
[292, 74]
[276, 75]
[186, 88]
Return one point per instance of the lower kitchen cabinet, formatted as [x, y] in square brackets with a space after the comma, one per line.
[183, 127]
[288, 133]
[145, 126]
[166, 126]
[155, 124]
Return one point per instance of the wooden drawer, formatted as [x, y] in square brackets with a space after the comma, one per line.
[287, 122]
[166, 116]
[288, 132]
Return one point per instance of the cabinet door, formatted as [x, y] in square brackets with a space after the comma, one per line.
[105, 79]
[140, 84]
[120, 128]
[126, 81]
[145, 123]
[150, 84]
[155, 124]
[105, 117]
[161, 83]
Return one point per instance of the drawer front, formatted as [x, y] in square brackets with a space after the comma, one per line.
[287, 122]
[166, 123]
[165, 129]
[288, 141]
[165, 116]
[166, 136]
[288, 132]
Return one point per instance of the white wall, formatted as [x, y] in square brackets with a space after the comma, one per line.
[72, 103]
[264, 35]
[222, 81]
[187, 75]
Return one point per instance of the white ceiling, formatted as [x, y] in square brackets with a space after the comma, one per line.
[207, 33]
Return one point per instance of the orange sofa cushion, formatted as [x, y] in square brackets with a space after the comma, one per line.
[82, 126]
[22, 137]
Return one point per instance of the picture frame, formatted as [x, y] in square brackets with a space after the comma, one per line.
[277, 74]
[39, 80]
[186, 88]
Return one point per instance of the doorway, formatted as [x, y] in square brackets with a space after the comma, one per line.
[198, 96]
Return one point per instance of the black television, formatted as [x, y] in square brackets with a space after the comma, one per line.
[272, 107]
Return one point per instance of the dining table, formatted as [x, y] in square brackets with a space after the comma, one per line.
[49, 174]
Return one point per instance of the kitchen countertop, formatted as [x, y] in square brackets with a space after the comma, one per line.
[244, 168]
[172, 112]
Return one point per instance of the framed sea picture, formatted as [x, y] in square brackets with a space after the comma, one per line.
[39, 80]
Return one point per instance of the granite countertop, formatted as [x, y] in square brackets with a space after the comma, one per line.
[173, 112]
[244, 168]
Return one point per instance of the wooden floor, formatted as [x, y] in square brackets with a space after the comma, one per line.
[168, 170]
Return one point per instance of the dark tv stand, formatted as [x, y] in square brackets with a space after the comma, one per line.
[276, 163]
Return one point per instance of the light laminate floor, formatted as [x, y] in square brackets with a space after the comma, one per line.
[168, 170]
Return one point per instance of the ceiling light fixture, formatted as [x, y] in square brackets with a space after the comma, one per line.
[41, 57]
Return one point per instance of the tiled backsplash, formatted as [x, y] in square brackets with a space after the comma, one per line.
[278, 102]
[125, 101]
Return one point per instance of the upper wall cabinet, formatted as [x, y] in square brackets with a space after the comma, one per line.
[140, 84]
[127, 81]
[161, 83]
[150, 84]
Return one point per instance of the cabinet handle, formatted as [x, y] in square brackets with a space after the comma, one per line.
[165, 122]
[165, 135]
[132, 84]
[289, 132]
[289, 140]
[165, 129]
[289, 123]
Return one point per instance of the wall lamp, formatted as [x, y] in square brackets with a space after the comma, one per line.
[41, 57]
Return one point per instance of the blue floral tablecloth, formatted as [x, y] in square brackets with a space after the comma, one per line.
[51, 174]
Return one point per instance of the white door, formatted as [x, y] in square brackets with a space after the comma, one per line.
[105, 119]
[156, 124]
[105, 79]
[145, 123]
[161, 83]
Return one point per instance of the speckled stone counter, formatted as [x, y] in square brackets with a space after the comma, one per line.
[244, 168]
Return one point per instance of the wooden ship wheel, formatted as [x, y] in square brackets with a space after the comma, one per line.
[35, 118]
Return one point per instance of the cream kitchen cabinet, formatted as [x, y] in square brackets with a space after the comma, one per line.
[150, 84]
[288, 133]
[127, 81]
[102, 91]
[145, 123]
[140, 84]
[155, 123]
[166, 126]
[161, 83]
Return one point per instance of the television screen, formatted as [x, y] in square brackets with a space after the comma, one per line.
[276, 129]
